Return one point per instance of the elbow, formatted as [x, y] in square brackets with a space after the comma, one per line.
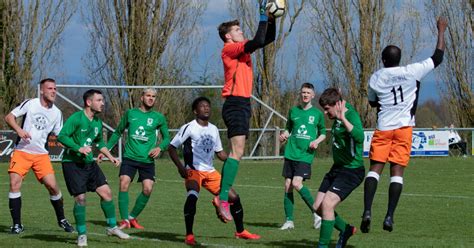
[437, 57]
[373, 104]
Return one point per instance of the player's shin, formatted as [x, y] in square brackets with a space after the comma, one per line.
[140, 204]
[370, 187]
[80, 217]
[229, 171]
[108, 208]
[123, 201]
[58, 205]
[238, 214]
[190, 210]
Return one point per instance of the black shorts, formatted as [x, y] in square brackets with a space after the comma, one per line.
[145, 170]
[82, 178]
[236, 113]
[342, 181]
[293, 168]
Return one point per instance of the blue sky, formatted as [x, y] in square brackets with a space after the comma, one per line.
[76, 43]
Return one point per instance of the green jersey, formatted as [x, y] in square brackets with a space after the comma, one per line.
[77, 132]
[304, 127]
[347, 147]
[142, 135]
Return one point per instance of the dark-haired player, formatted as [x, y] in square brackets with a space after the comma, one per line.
[200, 141]
[237, 90]
[394, 90]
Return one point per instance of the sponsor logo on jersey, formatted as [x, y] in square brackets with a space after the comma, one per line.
[140, 134]
[206, 143]
[301, 132]
[40, 121]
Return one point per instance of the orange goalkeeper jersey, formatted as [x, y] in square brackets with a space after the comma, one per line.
[238, 71]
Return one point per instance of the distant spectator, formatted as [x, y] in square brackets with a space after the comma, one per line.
[455, 141]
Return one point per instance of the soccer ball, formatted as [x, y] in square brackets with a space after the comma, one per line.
[276, 8]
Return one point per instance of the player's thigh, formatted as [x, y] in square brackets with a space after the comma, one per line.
[236, 113]
[128, 168]
[76, 178]
[96, 177]
[146, 171]
[381, 145]
[401, 147]
[327, 181]
[193, 180]
[42, 166]
[346, 181]
[302, 170]
[288, 169]
[212, 182]
[20, 163]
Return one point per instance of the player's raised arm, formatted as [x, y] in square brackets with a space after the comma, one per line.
[265, 32]
[437, 57]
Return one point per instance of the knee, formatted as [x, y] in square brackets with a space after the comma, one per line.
[297, 184]
[80, 199]
[328, 205]
[147, 190]
[124, 185]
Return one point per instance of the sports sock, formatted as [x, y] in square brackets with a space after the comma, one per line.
[58, 205]
[109, 211]
[80, 217]
[340, 223]
[229, 171]
[307, 198]
[288, 203]
[394, 192]
[190, 210]
[123, 200]
[238, 214]
[14, 202]
[370, 186]
[325, 234]
[140, 204]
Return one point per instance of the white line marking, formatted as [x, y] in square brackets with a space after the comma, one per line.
[405, 194]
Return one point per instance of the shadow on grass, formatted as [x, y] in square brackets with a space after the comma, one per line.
[49, 238]
[99, 222]
[5, 229]
[263, 224]
[292, 243]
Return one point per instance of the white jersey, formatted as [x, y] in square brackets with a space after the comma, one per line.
[396, 90]
[38, 121]
[199, 145]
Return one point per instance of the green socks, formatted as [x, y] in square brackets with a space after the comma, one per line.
[340, 223]
[80, 216]
[307, 198]
[123, 204]
[288, 203]
[229, 171]
[140, 204]
[326, 232]
[109, 212]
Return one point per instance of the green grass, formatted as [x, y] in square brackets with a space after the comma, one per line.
[436, 210]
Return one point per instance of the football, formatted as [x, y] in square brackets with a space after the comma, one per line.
[276, 8]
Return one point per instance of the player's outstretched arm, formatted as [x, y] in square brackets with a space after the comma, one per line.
[123, 124]
[260, 39]
[112, 159]
[437, 57]
[175, 158]
[221, 155]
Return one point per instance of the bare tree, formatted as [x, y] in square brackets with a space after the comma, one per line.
[457, 73]
[30, 35]
[149, 42]
[350, 35]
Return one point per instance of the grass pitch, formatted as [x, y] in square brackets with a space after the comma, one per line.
[436, 210]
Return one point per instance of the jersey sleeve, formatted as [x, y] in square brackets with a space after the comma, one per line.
[372, 95]
[321, 125]
[357, 132]
[181, 136]
[165, 134]
[420, 69]
[289, 123]
[21, 109]
[58, 125]
[118, 131]
[65, 136]
[234, 50]
[218, 145]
